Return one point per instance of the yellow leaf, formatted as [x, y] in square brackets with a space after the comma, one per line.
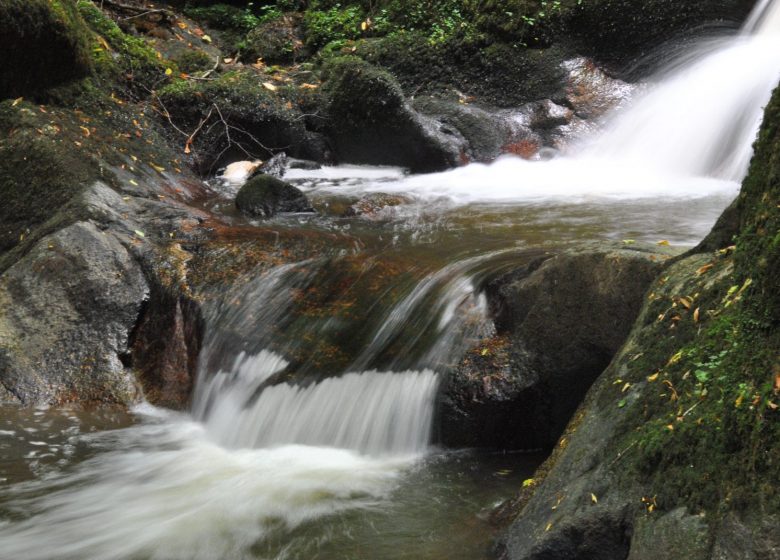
[663, 243]
[157, 168]
[168, 71]
[528, 482]
[17, 101]
[653, 377]
[625, 388]
[227, 60]
[696, 315]
[206, 39]
[593, 498]
[549, 526]
[674, 359]
[738, 402]
[139, 233]
[309, 86]
[704, 269]
[484, 352]
[628, 241]
[269, 86]
[363, 26]
[85, 130]
[133, 183]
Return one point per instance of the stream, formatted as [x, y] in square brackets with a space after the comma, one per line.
[312, 430]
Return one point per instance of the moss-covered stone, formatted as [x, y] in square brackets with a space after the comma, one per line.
[686, 416]
[39, 173]
[265, 196]
[277, 41]
[191, 61]
[44, 43]
[122, 57]
[370, 121]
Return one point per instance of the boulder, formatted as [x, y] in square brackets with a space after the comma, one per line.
[560, 320]
[265, 196]
[66, 313]
[278, 41]
[371, 122]
[44, 43]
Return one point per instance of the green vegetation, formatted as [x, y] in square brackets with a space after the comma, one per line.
[707, 434]
[118, 55]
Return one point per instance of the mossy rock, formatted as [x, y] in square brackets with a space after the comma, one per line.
[370, 121]
[191, 61]
[499, 74]
[239, 118]
[38, 176]
[128, 60]
[265, 196]
[275, 42]
[44, 43]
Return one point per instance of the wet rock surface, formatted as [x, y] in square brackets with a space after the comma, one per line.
[69, 307]
[560, 320]
[264, 196]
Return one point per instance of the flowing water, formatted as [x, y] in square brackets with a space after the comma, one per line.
[310, 434]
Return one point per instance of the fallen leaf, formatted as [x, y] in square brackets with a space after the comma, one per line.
[139, 233]
[17, 101]
[696, 315]
[704, 269]
[168, 71]
[309, 86]
[227, 60]
[628, 241]
[663, 243]
[85, 130]
[157, 168]
[269, 86]
[625, 388]
[549, 526]
[206, 39]
[653, 377]
[593, 498]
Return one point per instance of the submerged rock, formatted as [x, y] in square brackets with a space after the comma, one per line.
[265, 196]
[560, 320]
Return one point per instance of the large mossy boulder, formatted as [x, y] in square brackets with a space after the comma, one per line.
[370, 121]
[560, 320]
[265, 196]
[675, 446]
[44, 43]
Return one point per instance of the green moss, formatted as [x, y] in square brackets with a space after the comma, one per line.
[39, 173]
[192, 61]
[707, 424]
[360, 94]
[128, 58]
[43, 44]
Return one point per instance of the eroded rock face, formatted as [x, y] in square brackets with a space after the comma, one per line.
[68, 308]
[560, 320]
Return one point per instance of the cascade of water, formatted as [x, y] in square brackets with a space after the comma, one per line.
[765, 19]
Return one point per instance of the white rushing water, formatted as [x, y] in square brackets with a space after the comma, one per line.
[688, 136]
[256, 459]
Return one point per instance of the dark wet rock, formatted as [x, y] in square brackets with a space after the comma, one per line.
[68, 309]
[265, 196]
[304, 164]
[560, 320]
[629, 30]
[676, 534]
[44, 44]
[371, 122]
[166, 342]
[374, 206]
